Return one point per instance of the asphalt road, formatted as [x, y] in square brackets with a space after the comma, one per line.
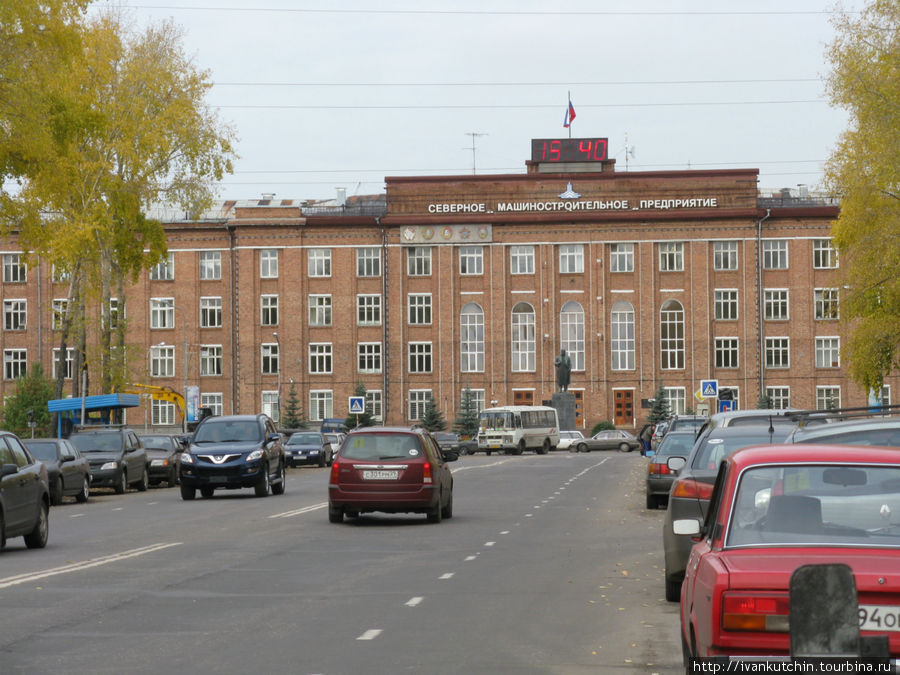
[551, 564]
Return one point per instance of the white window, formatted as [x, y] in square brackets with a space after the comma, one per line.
[60, 308]
[418, 401]
[368, 355]
[621, 257]
[375, 404]
[828, 352]
[726, 352]
[321, 403]
[471, 260]
[521, 259]
[162, 312]
[210, 265]
[571, 333]
[114, 313]
[725, 255]
[15, 314]
[419, 308]
[725, 304]
[162, 413]
[15, 363]
[269, 358]
[213, 401]
[67, 366]
[418, 261]
[164, 270]
[14, 271]
[268, 310]
[471, 339]
[621, 334]
[885, 397]
[319, 260]
[827, 304]
[571, 258]
[671, 335]
[368, 262]
[210, 360]
[778, 352]
[775, 304]
[676, 399]
[824, 255]
[271, 406]
[368, 310]
[162, 361]
[211, 312]
[775, 254]
[419, 357]
[780, 397]
[268, 263]
[320, 358]
[828, 397]
[523, 338]
[671, 256]
[319, 310]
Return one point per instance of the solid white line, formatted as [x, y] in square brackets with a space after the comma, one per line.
[480, 466]
[300, 512]
[448, 575]
[412, 602]
[85, 564]
[76, 515]
[370, 634]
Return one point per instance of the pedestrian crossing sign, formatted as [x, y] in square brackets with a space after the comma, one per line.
[709, 388]
[357, 405]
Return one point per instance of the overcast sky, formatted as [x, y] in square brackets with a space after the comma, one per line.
[341, 93]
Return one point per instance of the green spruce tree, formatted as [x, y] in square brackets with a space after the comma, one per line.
[365, 418]
[433, 419]
[660, 410]
[293, 411]
[466, 423]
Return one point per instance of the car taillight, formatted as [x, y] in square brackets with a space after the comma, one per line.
[335, 470]
[691, 489]
[426, 473]
[765, 613]
[657, 468]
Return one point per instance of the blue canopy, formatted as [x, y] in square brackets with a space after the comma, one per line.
[70, 408]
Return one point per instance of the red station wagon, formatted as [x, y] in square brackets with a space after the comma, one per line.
[777, 508]
[393, 470]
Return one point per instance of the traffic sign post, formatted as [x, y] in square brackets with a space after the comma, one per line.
[357, 406]
[709, 388]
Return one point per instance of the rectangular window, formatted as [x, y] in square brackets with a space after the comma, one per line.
[213, 401]
[621, 257]
[320, 360]
[725, 304]
[162, 312]
[671, 256]
[319, 260]
[521, 259]
[418, 261]
[164, 270]
[60, 308]
[622, 343]
[67, 366]
[420, 357]
[15, 314]
[676, 398]
[419, 308]
[375, 404]
[368, 357]
[726, 352]
[828, 352]
[321, 404]
[523, 339]
[775, 304]
[824, 255]
[571, 259]
[725, 255]
[162, 413]
[210, 360]
[269, 358]
[113, 313]
[780, 397]
[778, 352]
[827, 304]
[368, 262]
[15, 362]
[418, 401]
[471, 260]
[271, 405]
[775, 254]
[319, 310]
[828, 397]
[885, 398]
[162, 361]
[211, 312]
[268, 263]
[268, 310]
[14, 270]
[368, 310]
[210, 265]
[58, 275]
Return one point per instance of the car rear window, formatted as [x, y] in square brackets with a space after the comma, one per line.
[381, 446]
[96, 442]
[43, 450]
[717, 446]
[756, 420]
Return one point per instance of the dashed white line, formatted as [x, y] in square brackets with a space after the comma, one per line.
[370, 634]
[470, 558]
[412, 602]
[76, 515]
[489, 543]
[505, 532]
[448, 575]
[300, 512]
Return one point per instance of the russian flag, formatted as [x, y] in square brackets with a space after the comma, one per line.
[570, 115]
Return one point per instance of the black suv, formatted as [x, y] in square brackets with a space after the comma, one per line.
[233, 452]
[24, 494]
[116, 455]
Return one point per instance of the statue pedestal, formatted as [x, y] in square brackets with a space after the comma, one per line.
[564, 402]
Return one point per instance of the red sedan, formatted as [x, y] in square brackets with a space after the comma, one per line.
[773, 509]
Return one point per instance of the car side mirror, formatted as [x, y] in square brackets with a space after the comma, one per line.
[450, 455]
[273, 437]
[676, 463]
[8, 469]
[686, 526]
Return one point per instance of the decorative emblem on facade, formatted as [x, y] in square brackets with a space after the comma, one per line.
[446, 233]
[569, 193]
[465, 233]
[409, 234]
[428, 232]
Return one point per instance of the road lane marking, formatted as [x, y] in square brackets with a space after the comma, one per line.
[505, 532]
[470, 558]
[76, 515]
[83, 565]
[448, 575]
[412, 602]
[370, 634]
[457, 469]
[300, 512]
[489, 543]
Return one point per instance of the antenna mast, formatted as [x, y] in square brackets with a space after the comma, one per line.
[473, 134]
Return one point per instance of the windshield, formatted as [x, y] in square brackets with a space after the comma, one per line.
[496, 420]
[44, 451]
[228, 431]
[97, 442]
[305, 439]
[817, 505]
[719, 446]
[381, 446]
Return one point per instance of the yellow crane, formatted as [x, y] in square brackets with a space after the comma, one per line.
[159, 394]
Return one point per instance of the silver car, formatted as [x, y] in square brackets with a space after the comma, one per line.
[611, 439]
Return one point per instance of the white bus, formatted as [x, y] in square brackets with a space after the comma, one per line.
[516, 428]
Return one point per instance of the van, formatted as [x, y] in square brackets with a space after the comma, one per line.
[333, 425]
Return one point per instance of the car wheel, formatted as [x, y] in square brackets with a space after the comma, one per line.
[673, 590]
[582, 447]
[262, 485]
[545, 448]
[624, 447]
[448, 509]
[144, 482]
[335, 514]
[278, 488]
[321, 459]
[56, 496]
[487, 452]
[85, 491]
[37, 538]
[435, 513]
[187, 493]
[519, 448]
[207, 492]
[122, 483]
[2, 532]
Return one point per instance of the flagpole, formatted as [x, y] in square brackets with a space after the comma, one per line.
[568, 104]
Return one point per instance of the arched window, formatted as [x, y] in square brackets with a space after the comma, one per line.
[621, 336]
[671, 335]
[523, 340]
[571, 333]
[471, 339]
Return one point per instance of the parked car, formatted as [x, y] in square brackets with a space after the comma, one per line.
[568, 438]
[883, 431]
[233, 452]
[308, 447]
[752, 417]
[682, 422]
[689, 494]
[659, 476]
[392, 470]
[611, 439]
[68, 473]
[449, 440]
[24, 494]
[335, 438]
[658, 432]
[116, 455]
[773, 510]
[164, 452]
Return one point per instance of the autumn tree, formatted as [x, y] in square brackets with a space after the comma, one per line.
[864, 171]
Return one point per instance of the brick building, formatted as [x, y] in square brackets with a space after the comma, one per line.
[645, 278]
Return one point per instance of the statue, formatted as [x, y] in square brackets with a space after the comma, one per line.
[563, 370]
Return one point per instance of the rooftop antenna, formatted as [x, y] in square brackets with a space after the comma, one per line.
[473, 134]
[629, 151]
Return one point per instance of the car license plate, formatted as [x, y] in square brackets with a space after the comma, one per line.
[879, 617]
[218, 479]
[494, 445]
[156, 462]
[380, 475]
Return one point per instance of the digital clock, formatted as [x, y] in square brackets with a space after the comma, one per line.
[557, 150]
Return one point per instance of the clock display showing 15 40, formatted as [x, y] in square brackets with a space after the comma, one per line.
[569, 149]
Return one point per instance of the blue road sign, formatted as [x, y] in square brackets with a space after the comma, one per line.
[709, 388]
[726, 406]
[357, 405]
